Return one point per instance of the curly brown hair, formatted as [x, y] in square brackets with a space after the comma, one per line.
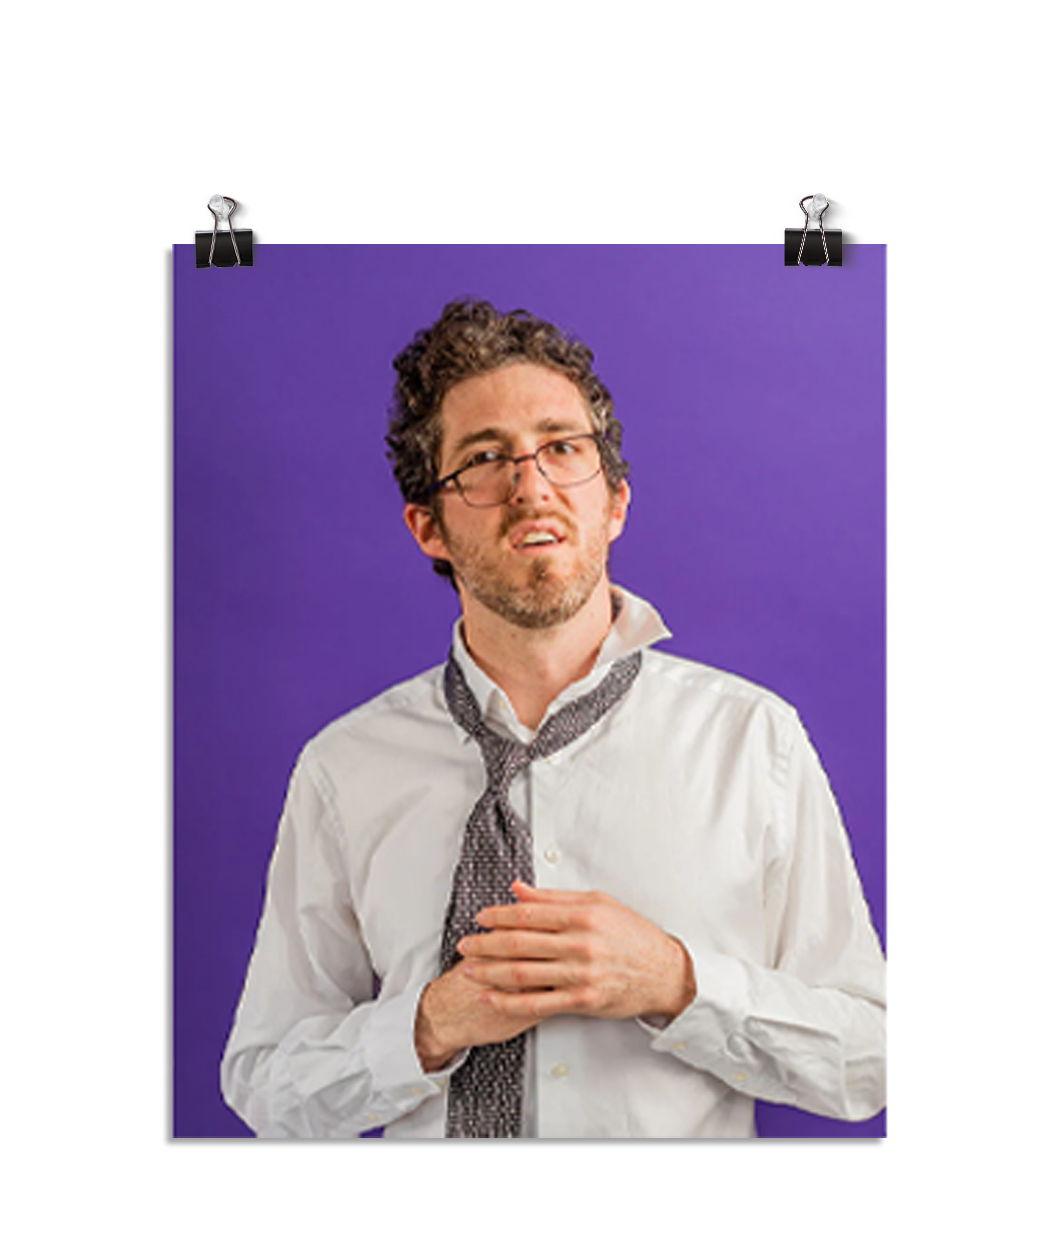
[471, 338]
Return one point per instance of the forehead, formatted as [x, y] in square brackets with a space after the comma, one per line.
[521, 400]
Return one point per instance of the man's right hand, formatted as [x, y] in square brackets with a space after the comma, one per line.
[453, 1016]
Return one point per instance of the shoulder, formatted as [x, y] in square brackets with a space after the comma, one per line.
[707, 706]
[676, 678]
[395, 720]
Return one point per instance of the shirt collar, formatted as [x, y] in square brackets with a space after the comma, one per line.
[637, 625]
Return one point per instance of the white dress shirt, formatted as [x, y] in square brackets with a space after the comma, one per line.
[698, 801]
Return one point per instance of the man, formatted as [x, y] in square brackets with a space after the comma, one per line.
[566, 885]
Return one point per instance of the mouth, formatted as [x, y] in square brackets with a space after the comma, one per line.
[536, 536]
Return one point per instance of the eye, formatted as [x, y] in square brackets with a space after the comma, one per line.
[563, 448]
[482, 459]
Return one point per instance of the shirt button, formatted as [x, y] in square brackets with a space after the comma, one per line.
[680, 1045]
[739, 1077]
[372, 1117]
[560, 1070]
[415, 1091]
[552, 855]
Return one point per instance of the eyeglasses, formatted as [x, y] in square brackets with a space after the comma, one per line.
[489, 478]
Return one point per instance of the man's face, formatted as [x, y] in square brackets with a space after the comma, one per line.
[500, 554]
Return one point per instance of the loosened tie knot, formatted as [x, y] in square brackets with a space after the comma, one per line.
[504, 758]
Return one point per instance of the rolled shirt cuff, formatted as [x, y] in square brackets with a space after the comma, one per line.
[390, 1053]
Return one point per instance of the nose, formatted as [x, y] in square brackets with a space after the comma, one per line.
[530, 485]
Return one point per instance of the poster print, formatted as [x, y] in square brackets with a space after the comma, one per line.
[753, 404]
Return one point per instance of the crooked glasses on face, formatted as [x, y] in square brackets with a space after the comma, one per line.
[489, 478]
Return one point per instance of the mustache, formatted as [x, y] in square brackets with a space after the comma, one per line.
[517, 518]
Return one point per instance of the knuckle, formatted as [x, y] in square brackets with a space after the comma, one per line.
[595, 982]
[584, 998]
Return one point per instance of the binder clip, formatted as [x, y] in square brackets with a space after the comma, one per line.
[813, 246]
[234, 250]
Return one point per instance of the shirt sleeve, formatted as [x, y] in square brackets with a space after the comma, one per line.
[311, 1053]
[808, 1030]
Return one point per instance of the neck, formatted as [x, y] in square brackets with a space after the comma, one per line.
[533, 667]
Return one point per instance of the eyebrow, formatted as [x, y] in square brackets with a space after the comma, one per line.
[501, 436]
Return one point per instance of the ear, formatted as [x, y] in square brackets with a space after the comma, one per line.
[424, 527]
[619, 509]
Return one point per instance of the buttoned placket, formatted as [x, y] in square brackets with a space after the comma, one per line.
[555, 1062]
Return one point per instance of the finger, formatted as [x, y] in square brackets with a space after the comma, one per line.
[554, 896]
[534, 916]
[522, 976]
[537, 1005]
[503, 943]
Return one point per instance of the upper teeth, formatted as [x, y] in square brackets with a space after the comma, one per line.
[538, 536]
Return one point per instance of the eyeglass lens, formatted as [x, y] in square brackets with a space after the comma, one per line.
[565, 462]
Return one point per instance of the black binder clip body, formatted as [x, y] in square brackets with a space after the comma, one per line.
[234, 250]
[813, 246]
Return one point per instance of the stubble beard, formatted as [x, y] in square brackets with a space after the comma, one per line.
[544, 596]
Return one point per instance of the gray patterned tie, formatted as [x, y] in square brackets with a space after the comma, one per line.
[486, 1092]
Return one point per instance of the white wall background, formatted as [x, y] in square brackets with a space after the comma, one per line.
[932, 127]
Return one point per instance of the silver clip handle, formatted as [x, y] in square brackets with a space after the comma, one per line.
[222, 209]
[819, 206]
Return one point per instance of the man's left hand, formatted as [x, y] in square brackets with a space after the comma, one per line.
[576, 953]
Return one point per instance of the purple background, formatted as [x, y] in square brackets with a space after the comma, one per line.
[753, 397]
